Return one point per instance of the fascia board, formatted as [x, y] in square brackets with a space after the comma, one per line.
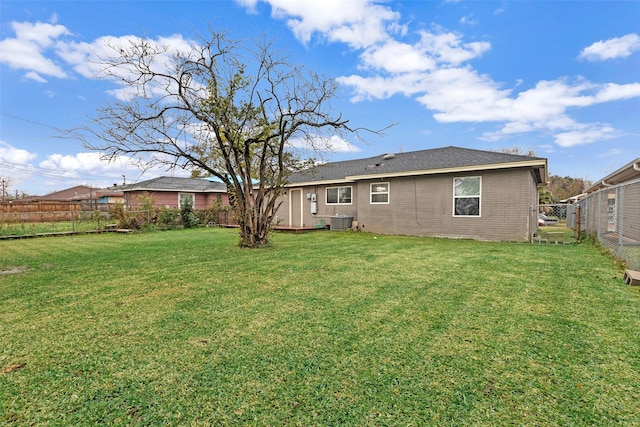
[619, 176]
[174, 190]
[460, 169]
[325, 182]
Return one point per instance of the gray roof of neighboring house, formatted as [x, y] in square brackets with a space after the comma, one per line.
[437, 160]
[169, 183]
[78, 192]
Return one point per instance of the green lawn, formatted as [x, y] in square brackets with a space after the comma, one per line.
[324, 328]
[31, 228]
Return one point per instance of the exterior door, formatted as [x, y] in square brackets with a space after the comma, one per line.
[295, 208]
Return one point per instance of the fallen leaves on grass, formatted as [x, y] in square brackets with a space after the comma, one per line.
[14, 367]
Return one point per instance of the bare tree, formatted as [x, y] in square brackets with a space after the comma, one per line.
[5, 184]
[219, 108]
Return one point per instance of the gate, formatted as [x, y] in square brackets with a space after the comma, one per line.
[556, 223]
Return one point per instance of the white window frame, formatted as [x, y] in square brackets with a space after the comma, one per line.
[372, 193]
[193, 199]
[479, 196]
[326, 194]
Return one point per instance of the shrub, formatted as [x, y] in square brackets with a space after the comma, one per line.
[167, 218]
[189, 219]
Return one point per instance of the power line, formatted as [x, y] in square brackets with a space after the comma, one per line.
[48, 173]
[35, 122]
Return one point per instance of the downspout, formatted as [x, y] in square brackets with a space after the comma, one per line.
[636, 166]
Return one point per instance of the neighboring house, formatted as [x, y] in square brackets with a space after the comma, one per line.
[172, 192]
[611, 204]
[88, 196]
[444, 192]
[77, 193]
[627, 173]
[110, 196]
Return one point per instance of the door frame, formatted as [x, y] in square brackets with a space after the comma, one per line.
[293, 194]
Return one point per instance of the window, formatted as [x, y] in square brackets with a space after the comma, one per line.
[380, 193]
[466, 196]
[339, 195]
[186, 198]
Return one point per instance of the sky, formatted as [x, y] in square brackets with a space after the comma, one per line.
[561, 78]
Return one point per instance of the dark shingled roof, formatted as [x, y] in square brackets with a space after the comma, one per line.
[169, 183]
[405, 163]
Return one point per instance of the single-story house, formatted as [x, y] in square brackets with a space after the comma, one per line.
[109, 196]
[73, 194]
[444, 192]
[172, 192]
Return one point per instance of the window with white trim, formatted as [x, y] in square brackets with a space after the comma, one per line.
[186, 198]
[466, 196]
[338, 195]
[379, 193]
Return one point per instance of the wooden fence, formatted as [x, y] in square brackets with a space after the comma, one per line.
[45, 210]
[39, 206]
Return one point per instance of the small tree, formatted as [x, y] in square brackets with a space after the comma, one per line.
[189, 218]
[219, 108]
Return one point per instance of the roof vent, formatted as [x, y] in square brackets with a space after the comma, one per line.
[388, 156]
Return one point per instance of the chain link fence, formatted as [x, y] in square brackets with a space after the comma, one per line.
[612, 216]
[43, 223]
[556, 224]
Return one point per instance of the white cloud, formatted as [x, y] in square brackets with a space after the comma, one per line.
[358, 23]
[397, 57]
[380, 87]
[617, 47]
[15, 155]
[468, 20]
[14, 164]
[448, 48]
[615, 92]
[32, 75]
[435, 71]
[89, 167]
[461, 94]
[429, 53]
[81, 163]
[27, 50]
[333, 144]
[588, 134]
[88, 60]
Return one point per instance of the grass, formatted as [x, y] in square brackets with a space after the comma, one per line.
[325, 328]
[31, 228]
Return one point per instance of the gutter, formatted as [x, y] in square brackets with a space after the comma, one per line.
[460, 169]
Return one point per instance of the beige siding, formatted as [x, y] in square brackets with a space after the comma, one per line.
[631, 211]
[423, 206]
[288, 216]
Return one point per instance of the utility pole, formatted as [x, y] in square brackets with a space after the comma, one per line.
[4, 185]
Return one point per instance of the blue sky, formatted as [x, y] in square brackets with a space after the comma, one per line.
[559, 78]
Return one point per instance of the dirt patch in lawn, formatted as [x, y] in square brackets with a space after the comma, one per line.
[13, 270]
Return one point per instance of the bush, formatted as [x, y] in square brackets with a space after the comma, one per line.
[167, 218]
[132, 220]
[189, 219]
[216, 214]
